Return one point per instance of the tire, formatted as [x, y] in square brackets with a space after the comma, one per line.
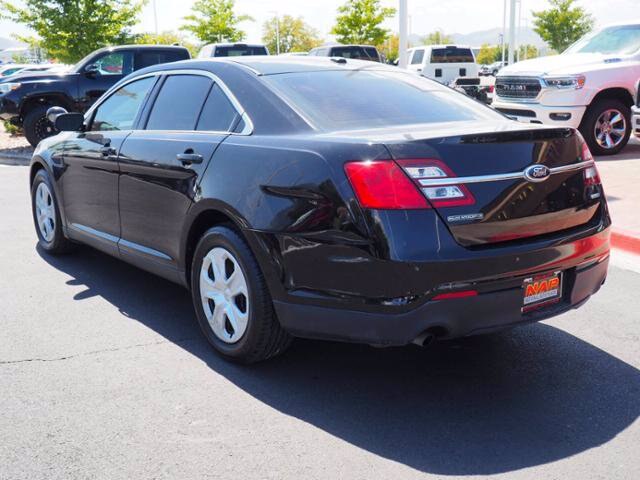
[48, 225]
[36, 126]
[223, 253]
[591, 120]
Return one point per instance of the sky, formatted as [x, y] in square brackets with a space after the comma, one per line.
[450, 16]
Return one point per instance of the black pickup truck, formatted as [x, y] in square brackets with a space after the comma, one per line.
[25, 99]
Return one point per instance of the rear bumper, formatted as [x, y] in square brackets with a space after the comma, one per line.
[537, 113]
[498, 306]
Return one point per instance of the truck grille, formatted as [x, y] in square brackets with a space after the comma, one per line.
[518, 87]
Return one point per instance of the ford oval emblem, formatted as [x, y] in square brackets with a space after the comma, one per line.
[537, 173]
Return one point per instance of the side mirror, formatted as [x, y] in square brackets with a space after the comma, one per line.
[70, 122]
[54, 112]
[92, 70]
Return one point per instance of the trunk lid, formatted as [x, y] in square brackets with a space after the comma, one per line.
[502, 202]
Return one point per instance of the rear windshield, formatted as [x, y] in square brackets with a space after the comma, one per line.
[451, 55]
[350, 100]
[358, 53]
[239, 51]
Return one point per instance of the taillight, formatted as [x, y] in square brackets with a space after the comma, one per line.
[447, 193]
[381, 184]
[591, 175]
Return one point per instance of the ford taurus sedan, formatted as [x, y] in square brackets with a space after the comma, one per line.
[326, 198]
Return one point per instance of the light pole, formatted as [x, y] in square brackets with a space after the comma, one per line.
[155, 16]
[277, 17]
[512, 29]
[402, 41]
[504, 28]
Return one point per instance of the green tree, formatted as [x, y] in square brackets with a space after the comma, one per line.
[437, 38]
[488, 53]
[562, 24]
[358, 21]
[295, 35]
[528, 51]
[166, 38]
[391, 47]
[215, 21]
[69, 30]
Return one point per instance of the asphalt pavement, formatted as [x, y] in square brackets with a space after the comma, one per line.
[104, 374]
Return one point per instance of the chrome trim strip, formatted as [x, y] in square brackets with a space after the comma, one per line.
[248, 129]
[119, 241]
[143, 249]
[441, 182]
[96, 233]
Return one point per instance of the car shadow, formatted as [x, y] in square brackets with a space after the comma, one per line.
[478, 406]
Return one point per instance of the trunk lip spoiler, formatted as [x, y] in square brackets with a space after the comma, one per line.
[441, 182]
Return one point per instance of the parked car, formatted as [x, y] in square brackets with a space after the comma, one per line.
[591, 86]
[492, 69]
[291, 204]
[443, 63]
[232, 50]
[13, 68]
[24, 100]
[356, 52]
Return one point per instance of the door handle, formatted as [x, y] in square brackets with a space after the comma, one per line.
[189, 158]
[108, 151]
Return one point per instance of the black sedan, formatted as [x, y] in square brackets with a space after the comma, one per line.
[326, 198]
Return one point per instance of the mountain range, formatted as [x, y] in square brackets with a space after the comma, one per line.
[492, 37]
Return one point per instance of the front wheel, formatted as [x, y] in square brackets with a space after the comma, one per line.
[606, 126]
[233, 305]
[37, 126]
[46, 216]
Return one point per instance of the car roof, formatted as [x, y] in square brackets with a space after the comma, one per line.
[271, 64]
[116, 48]
[236, 44]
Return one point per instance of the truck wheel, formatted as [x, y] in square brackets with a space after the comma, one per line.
[37, 126]
[606, 126]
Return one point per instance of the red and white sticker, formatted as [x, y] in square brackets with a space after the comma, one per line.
[542, 289]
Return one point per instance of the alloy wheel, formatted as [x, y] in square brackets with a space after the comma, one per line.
[45, 212]
[224, 295]
[610, 128]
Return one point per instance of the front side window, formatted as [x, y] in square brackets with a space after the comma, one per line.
[116, 63]
[119, 111]
[358, 99]
[623, 40]
[179, 103]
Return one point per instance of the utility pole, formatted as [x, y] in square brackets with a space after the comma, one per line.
[402, 43]
[155, 16]
[504, 29]
[512, 29]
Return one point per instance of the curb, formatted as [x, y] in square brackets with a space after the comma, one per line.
[627, 241]
[15, 160]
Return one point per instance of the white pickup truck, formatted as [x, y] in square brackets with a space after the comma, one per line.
[591, 86]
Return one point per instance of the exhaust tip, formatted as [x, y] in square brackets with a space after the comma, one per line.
[423, 339]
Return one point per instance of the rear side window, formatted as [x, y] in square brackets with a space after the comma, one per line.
[239, 51]
[418, 56]
[452, 55]
[179, 103]
[372, 53]
[148, 58]
[119, 111]
[218, 114]
[344, 100]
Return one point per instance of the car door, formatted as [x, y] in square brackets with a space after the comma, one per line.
[101, 73]
[162, 164]
[90, 179]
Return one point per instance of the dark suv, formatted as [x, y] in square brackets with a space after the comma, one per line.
[25, 99]
[357, 52]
